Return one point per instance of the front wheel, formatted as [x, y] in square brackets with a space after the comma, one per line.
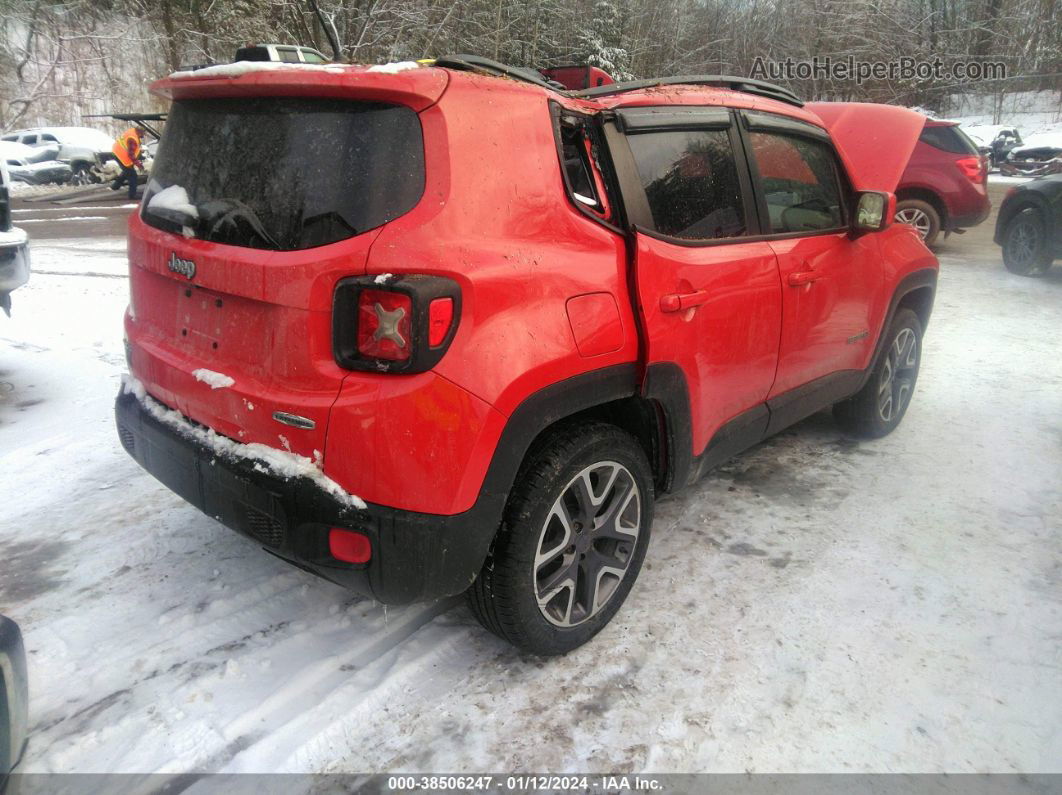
[1025, 249]
[572, 540]
[878, 407]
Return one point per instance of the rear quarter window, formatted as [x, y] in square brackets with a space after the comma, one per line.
[948, 139]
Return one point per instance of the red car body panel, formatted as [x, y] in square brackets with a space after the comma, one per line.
[262, 318]
[728, 339]
[935, 172]
[875, 141]
[546, 293]
[826, 323]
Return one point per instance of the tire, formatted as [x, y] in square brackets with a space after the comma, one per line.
[1025, 250]
[923, 216]
[541, 549]
[81, 175]
[871, 413]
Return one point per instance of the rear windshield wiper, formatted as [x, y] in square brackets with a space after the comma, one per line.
[217, 216]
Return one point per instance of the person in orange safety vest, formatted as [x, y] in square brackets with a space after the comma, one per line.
[129, 150]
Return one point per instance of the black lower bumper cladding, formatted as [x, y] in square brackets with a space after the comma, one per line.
[414, 556]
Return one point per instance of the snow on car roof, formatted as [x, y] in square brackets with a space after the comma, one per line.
[246, 67]
[79, 136]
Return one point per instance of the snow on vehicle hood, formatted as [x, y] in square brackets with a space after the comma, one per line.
[15, 150]
[875, 141]
[1041, 140]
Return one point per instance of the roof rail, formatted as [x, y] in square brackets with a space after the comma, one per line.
[746, 85]
[476, 63]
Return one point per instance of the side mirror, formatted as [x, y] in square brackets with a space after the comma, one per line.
[873, 211]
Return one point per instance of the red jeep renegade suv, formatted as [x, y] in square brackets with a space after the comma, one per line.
[450, 328]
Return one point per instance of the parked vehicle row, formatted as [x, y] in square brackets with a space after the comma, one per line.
[78, 147]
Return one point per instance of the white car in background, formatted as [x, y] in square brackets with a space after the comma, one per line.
[81, 147]
[34, 165]
[14, 247]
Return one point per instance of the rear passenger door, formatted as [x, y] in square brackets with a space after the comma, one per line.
[709, 297]
[829, 277]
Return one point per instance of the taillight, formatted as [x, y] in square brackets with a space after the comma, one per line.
[973, 168]
[394, 324]
[384, 320]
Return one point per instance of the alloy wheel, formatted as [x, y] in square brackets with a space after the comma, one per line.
[587, 543]
[1024, 243]
[897, 375]
[912, 216]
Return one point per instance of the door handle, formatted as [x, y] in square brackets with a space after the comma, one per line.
[678, 302]
[800, 278]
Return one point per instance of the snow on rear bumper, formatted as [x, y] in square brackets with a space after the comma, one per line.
[414, 556]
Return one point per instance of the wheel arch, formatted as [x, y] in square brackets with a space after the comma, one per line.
[920, 301]
[1028, 200]
[931, 198]
[657, 416]
[916, 291]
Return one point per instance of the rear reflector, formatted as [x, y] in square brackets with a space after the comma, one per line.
[349, 546]
[440, 315]
[384, 325]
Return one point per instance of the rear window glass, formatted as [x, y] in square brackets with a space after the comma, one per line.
[284, 174]
[949, 139]
[691, 183]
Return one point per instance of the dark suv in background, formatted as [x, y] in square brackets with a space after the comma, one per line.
[944, 187]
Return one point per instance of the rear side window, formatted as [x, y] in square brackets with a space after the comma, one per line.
[948, 138]
[575, 153]
[284, 174]
[798, 178]
[691, 183]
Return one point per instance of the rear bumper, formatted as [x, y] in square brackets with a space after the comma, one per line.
[415, 556]
[14, 264]
[971, 218]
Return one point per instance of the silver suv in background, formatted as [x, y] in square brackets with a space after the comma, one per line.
[78, 146]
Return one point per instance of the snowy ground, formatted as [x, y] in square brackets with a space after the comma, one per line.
[818, 604]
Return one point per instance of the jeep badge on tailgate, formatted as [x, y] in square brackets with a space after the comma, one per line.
[185, 267]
